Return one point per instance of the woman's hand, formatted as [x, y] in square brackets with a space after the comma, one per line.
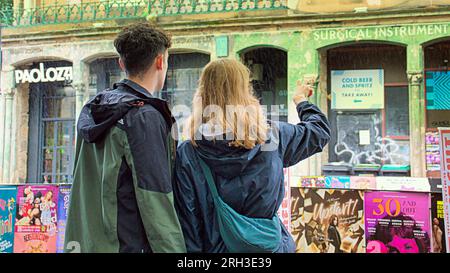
[302, 92]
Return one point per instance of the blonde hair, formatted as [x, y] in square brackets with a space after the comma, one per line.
[225, 88]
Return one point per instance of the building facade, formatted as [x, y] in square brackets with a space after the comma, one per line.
[58, 54]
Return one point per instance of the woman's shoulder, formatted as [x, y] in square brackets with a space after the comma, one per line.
[185, 145]
[185, 150]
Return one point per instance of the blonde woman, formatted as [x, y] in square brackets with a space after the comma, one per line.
[245, 153]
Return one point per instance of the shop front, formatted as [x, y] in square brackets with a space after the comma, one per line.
[437, 101]
[51, 135]
[385, 90]
[372, 84]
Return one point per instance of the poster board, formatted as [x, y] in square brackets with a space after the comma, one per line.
[36, 219]
[397, 222]
[63, 209]
[7, 218]
[444, 135]
[327, 221]
[357, 89]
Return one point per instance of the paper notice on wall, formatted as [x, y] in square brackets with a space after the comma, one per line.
[357, 89]
[364, 137]
[394, 183]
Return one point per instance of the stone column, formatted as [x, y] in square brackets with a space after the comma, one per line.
[303, 64]
[417, 124]
[2, 132]
[6, 124]
[7, 136]
[80, 97]
[80, 84]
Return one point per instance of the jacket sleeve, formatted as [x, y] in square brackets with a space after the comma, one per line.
[300, 141]
[147, 135]
[185, 203]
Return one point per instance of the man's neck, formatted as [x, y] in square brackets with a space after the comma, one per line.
[148, 84]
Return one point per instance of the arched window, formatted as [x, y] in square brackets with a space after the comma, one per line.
[51, 129]
[268, 68]
[437, 101]
[368, 104]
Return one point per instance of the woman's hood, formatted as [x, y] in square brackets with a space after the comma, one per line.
[226, 161]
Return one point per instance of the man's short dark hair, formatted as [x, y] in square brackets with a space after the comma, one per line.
[139, 44]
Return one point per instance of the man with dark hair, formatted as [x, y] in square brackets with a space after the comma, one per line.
[121, 199]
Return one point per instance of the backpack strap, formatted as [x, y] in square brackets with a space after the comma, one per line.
[209, 179]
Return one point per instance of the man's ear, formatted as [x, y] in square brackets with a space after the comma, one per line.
[122, 65]
[159, 62]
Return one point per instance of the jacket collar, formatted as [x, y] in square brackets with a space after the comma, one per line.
[135, 87]
[160, 104]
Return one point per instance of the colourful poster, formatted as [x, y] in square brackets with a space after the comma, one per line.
[397, 222]
[363, 182]
[401, 183]
[437, 223]
[36, 219]
[7, 217]
[437, 86]
[63, 206]
[357, 89]
[337, 182]
[433, 158]
[312, 182]
[327, 221]
[284, 211]
[444, 135]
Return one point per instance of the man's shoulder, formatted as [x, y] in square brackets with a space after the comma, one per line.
[146, 113]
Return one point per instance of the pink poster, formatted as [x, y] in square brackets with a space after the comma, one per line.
[313, 182]
[285, 210]
[36, 219]
[397, 222]
[34, 242]
[444, 134]
[363, 183]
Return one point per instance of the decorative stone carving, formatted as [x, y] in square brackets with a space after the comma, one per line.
[415, 77]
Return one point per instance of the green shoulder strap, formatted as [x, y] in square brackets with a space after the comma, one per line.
[209, 179]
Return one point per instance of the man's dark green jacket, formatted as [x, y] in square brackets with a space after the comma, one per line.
[121, 198]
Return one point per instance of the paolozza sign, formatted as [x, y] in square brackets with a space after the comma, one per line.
[42, 74]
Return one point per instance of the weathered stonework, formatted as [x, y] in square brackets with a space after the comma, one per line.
[304, 38]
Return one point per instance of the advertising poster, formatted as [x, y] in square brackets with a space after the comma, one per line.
[437, 83]
[444, 135]
[397, 222]
[63, 207]
[437, 224]
[36, 219]
[327, 221]
[7, 218]
[363, 182]
[433, 158]
[312, 182]
[400, 183]
[337, 182]
[357, 89]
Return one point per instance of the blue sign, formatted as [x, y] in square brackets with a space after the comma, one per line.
[438, 90]
[63, 207]
[7, 218]
[337, 182]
